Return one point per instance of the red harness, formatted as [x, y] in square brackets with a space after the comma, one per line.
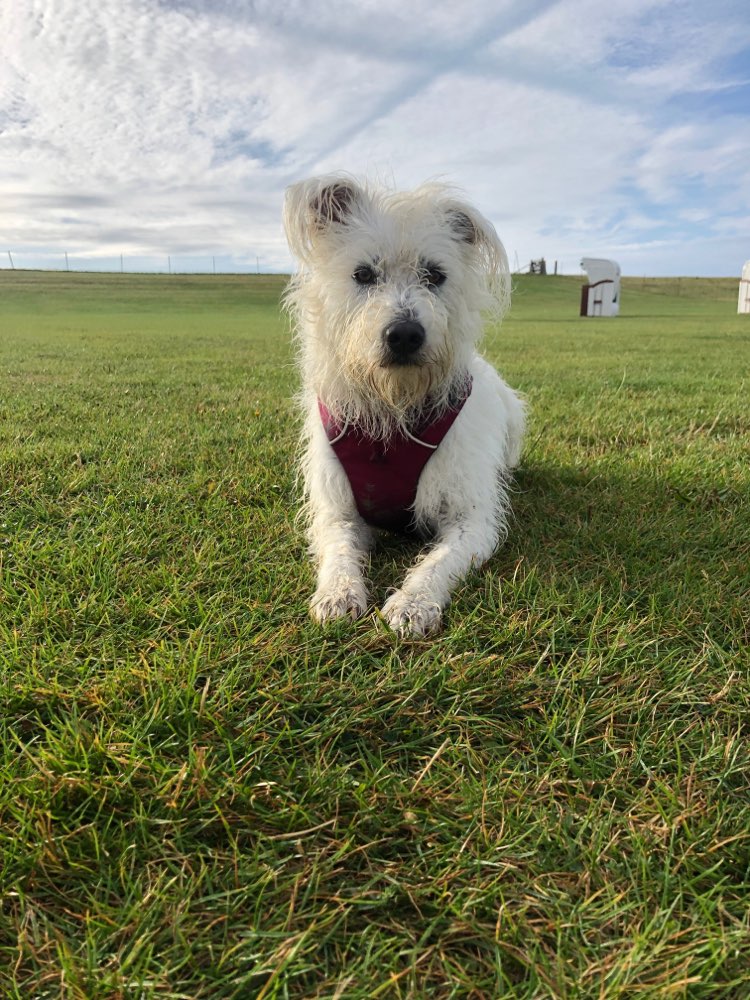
[384, 475]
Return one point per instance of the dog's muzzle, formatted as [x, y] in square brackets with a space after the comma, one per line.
[403, 341]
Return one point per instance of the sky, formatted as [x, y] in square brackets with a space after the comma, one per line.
[166, 131]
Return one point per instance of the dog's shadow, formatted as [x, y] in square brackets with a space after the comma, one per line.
[651, 537]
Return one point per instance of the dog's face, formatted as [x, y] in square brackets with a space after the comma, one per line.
[392, 286]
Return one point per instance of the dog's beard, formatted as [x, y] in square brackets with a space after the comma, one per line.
[402, 387]
[397, 391]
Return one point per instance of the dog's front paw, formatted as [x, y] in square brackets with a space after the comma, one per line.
[410, 616]
[345, 600]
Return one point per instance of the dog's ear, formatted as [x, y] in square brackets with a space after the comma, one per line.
[462, 226]
[483, 248]
[334, 203]
[316, 207]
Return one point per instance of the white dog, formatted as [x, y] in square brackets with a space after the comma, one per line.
[407, 426]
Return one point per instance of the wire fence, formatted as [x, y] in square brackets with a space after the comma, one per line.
[136, 263]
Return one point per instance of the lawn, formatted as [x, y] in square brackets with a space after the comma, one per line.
[205, 796]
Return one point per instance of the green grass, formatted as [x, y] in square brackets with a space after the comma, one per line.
[206, 796]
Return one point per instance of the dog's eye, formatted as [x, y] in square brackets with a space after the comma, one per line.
[434, 277]
[365, 275]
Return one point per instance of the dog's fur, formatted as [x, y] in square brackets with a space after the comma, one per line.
[430, 258]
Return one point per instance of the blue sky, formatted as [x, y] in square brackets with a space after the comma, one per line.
[170, 128]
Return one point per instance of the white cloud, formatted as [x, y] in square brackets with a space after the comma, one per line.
[713, 155]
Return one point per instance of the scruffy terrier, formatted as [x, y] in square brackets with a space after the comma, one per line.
[407, 427]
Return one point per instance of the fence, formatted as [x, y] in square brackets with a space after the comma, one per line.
[140, 264]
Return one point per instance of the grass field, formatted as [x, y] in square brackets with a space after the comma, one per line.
[206, 796]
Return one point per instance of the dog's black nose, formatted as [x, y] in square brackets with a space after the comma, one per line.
[404, 338]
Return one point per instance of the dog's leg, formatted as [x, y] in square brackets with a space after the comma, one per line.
[416, 608]
[339, 542]
[339, 539]
[341, 548]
